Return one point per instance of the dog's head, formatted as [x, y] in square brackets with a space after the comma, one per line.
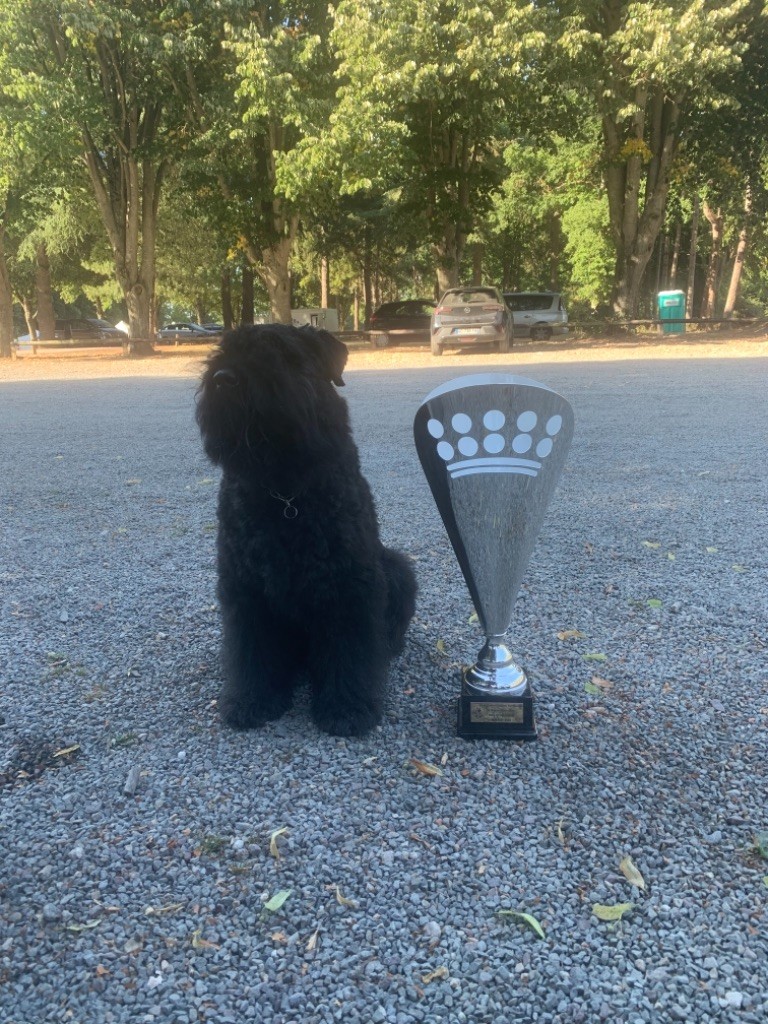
[267, 397]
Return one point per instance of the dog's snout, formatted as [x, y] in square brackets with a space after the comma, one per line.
[225, 378]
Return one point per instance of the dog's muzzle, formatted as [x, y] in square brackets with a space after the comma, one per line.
[225, 379]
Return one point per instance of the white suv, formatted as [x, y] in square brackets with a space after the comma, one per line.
[539, 315]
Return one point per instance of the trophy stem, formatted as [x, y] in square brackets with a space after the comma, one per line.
[495, 670]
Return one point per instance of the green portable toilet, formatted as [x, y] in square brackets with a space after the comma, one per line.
[672, 307]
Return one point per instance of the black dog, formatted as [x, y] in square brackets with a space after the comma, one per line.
[305, 584]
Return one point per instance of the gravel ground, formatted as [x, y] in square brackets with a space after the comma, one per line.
[141, 843]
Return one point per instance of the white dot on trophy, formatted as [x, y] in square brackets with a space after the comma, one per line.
[494, 419]
[553, 425]
[468, 446]
[461, 423]
[445, 451]
[436, 428]
[526, 420]
[522, 443]
[494, 444]
[543, 448]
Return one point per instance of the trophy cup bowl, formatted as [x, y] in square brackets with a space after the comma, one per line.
[492, 447]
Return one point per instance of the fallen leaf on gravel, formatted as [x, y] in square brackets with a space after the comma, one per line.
[274, 836]
[132, 483]
[132, 946]
[595, 656]
[169, 908]
[101, 971]
[312, 941]
[474, 617]
[424, 767]
[595, 691]
[761, 844]
[570, 634]
[277, 900]
[739, 568]
[710, 551]
[67, 750]
[198, 942]
[529, 919]
[765, 881]
[631, 873]
[279, 937]
[614, 913]
[84, 927]
[440, 972]
[604, 684]
[651, 544]
[440, 645]
[343, 901]
[654, 602]
[670, 556]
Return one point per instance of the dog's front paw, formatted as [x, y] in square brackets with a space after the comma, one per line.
[346, 719]
[240, 713]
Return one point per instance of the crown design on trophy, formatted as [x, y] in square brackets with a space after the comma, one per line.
[498, 443]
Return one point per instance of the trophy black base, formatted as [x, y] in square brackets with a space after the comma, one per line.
[496, 716]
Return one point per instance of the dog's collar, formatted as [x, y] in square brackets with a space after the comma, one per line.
[289, 510]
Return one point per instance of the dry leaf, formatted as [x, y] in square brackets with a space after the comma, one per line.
[595, 656]
[312, 941]
[631, 873]
[274, 836]
[279, 937]
[84, 927]
[570, 634]
[169, 908]
[614, 913]
[440, 972]
[198, 942]
[651, 544]
[440, 645]
[604, 684]
[424, 767]
[595, 691]
[67, 750]
[101, 971]
[343, 901]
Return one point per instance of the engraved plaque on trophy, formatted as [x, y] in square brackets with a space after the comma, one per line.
[492, 447]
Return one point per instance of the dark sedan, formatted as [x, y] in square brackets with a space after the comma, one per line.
[404, 320]
[186, 332]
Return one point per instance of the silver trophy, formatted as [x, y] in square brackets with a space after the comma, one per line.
[492, 447]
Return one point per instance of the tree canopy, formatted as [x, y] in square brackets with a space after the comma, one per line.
[168, 153]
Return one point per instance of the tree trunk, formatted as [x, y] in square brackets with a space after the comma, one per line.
[448, 252]
[127, 194]
[276, 277]
[738, 262]
[672, 282]
[246, 308]
[200, 311]
[226, 299]
[46, 322]
[356, 310]
[715, 219]
[30, 319]
[477, 263]
[324, 282]
[367, 275]
[6, 302]
[692, 257]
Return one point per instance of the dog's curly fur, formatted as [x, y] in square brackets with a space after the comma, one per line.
[305, 585]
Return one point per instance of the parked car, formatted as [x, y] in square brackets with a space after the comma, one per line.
[538, 315]
[472, 314]
[404, 320]
[74, 332]
[189, 332]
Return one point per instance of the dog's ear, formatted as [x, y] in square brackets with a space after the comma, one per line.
[331, 352]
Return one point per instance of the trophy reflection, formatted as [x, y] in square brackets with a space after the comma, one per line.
[492, 447]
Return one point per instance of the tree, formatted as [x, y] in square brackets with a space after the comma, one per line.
[646, 67]
[430, 93]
